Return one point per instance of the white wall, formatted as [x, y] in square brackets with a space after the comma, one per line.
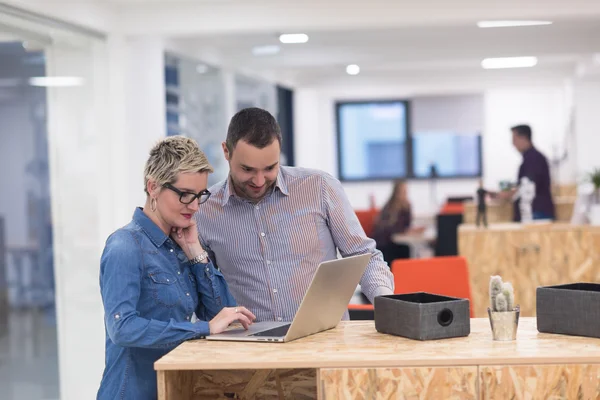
[544, 109]
[587, 125]
[540, 106]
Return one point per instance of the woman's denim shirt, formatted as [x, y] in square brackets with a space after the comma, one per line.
[150, 292]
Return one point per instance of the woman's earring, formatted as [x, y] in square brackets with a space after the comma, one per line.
[153, 205]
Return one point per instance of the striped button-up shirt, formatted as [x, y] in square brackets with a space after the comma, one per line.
[270, 251]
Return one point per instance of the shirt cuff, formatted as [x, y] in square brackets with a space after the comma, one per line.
[380, 291]
[202, 328]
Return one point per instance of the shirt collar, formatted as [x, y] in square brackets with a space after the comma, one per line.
[156, 235]
[280, 183]
[529, 152]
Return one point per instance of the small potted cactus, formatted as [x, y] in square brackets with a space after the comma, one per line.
[504, 315]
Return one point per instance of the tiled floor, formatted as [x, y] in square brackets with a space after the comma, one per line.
[29, 356]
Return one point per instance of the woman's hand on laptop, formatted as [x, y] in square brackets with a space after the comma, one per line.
[228, 315]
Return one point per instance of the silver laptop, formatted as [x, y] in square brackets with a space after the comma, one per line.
[321, 309]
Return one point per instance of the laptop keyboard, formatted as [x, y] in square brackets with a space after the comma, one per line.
[279, 331]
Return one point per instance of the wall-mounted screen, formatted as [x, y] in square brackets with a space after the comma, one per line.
[372, 140]
[452, 155]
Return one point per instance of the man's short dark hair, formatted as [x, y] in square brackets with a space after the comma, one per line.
[253, 125]
[523, 131]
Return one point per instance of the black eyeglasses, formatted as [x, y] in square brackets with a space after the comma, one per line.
[188, 197]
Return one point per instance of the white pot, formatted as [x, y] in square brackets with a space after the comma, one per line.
[595, 214]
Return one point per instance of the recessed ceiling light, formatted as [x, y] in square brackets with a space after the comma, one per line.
[56, 81]
[506, 24]
[201, 68]
[265, 50]
[293, 38]
[352, 69]
[509, 62]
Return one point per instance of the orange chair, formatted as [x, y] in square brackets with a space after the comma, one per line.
[447, 276]
[367, 219]
[361, 311]
[453, 208]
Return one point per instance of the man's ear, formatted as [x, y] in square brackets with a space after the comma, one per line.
[226, 152]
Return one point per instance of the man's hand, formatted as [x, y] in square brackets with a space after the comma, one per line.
[506, 194]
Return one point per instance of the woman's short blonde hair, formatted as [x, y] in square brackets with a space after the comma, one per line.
[171, 156]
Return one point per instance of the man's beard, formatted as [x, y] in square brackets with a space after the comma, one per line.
[243, 191]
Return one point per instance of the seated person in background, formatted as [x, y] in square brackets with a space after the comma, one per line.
[395, 218]
[155, 277]
[270, 226]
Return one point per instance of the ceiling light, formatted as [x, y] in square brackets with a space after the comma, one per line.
[201, 68]
[509, 62]
[352, 69]
[265, 50]
[293, 38]
[56, 81]
[506, 24]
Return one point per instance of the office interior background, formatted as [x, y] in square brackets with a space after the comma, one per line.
[86, 88]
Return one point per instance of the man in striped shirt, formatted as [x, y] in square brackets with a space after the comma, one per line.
[267, 227]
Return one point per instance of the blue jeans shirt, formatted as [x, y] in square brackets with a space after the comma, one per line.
[150, 292]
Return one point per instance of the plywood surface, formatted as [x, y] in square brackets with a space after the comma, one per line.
[496, 212]
[540, 382]
[356, 344]
[502, 211]
[402, 383]
[259, 384]
[529, 256]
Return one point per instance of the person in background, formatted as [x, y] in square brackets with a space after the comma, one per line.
[270, 226]
[535, 166]
[158, 286]
[395, 218]
[482, 194]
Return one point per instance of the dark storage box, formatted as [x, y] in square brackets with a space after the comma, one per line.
[572, 309]
[422, 316]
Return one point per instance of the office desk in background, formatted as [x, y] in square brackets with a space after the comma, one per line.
[354, 361]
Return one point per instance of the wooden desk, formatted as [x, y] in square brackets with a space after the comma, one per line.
[354, 361]
[417, 244]
[528, 256]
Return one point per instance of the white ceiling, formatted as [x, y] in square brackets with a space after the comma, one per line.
[408, 53]
[392, 40]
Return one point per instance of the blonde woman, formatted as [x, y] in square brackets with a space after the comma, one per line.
[158, 286]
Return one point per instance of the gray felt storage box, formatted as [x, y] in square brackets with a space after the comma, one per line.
[422, 316]
[572, 309]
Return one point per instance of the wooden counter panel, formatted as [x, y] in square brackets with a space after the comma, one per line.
[540, 382]
[356, 344]
[399, 383]
[529, 257]
[239, 384]
[503, 211]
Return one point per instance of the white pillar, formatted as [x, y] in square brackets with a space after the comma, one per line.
[73, 136]
[587, 124]
[99, 138]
